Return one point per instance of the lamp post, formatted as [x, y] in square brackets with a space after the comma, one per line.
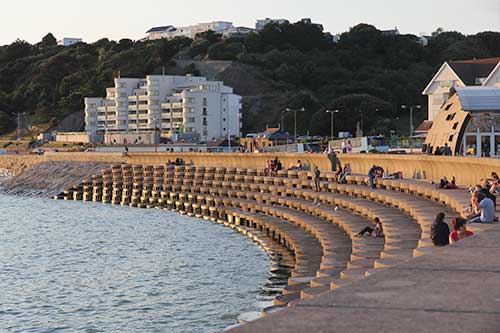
[332, 112]
[295, 119]
[411, 108]
[155, 119]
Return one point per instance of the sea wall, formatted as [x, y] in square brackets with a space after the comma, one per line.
[467, 171]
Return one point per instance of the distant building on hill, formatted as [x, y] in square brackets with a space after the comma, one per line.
[391, 32]
[260, 24]
[178, 107]
[238, 32]
[170, 32]
[69, 41]
[160, 32]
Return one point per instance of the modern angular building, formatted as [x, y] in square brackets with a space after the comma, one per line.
[175, 106]
[468, 123]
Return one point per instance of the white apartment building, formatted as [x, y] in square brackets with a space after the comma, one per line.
[170, 32]
[69, 41]
[476, 72]
[176, 105]
[260, 24]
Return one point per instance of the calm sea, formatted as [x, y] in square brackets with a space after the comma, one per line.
[83, 267]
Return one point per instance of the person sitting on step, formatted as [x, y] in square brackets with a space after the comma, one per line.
[440, 232]
[460, 231]
[447, 185]
[338, 173]
[377, 231]
[484, 209]
[347, 172]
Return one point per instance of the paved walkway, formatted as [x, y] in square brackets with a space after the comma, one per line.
[454, 289]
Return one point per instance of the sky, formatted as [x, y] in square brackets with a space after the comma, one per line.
[91, 20]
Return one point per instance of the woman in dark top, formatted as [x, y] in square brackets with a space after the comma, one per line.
[440, 232]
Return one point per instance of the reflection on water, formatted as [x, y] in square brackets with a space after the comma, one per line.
[70, 266]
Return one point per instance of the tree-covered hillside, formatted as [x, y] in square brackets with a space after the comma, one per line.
[367, 75]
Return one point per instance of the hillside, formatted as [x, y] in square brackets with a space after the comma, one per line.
[367, 75]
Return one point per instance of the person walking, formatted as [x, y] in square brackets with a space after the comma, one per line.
[440, 232]
[317, 175]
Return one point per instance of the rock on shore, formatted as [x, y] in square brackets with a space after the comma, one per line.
[49, 178]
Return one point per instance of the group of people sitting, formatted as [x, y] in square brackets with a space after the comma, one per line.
[445, 184]
[342, 173]
[440, 232]
[272, 167]
[178, 161]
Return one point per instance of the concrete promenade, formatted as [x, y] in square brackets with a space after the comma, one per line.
[453, 289]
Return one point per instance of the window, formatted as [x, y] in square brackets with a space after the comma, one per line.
[122, 95]
[450, 139]
[204, 111]
[450, 116]
[455, 125]
[154, 93]
[223, 119]
[205, 102]
[448, 106]
[190, 120]
[122, 85]
[205, 123]
[205, 132]
[154, 102]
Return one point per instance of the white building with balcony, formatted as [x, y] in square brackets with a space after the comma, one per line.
[177, 106]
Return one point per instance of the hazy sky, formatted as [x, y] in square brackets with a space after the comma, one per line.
[116, 19]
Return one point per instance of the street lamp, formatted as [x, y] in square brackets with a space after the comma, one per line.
[332, 112]
[295, 119]
[411, 108]
[155, 119]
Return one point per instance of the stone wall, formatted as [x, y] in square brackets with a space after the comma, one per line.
[467, 170]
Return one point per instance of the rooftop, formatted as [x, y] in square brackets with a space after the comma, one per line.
[479, 98]
[470, 70]
[163, 28]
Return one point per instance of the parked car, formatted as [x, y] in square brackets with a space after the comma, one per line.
[38, 151]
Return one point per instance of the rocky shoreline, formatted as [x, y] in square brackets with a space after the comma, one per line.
[47, 179]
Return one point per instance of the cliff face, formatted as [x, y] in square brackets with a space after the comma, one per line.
[49, 178]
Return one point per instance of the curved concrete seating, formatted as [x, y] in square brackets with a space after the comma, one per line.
[286, 199]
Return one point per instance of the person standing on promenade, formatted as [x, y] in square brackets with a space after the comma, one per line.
[440, 232]
[371, 175]
[317, 175]
[344, 146]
